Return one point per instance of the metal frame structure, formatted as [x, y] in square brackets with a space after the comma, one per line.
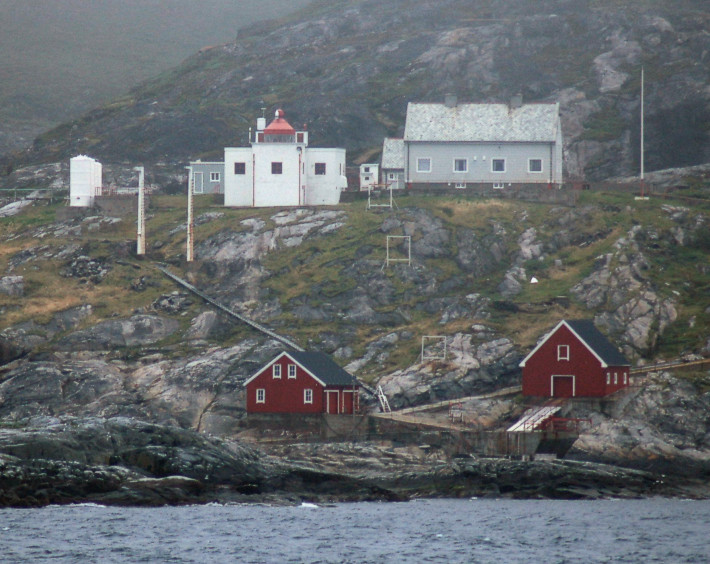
[391, 202]
[389, 259]
[442, 344]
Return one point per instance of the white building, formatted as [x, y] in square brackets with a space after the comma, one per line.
[393, 163]
[85, 181]
[369, 175]
[453, 145]
[280, 169]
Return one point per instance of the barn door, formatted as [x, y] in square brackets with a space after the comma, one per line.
[332, 402]
[563, 386]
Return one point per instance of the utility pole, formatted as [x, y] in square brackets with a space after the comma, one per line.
[140, 236]
[189, 254]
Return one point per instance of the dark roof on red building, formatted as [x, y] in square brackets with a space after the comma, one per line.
[587, 331]
[592, 338]
[324, 368]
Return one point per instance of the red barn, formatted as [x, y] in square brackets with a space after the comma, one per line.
[302, 382]
[574, 360]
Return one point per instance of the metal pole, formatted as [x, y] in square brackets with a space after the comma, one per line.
[190, 216]
[140, 236]
[642, 133]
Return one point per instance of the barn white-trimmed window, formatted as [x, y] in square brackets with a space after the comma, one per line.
[608, 378]
[616, 378]
[292, 371]
[308, 395]
[261, 395]
[626, 378]
[276, 371]
[424, 164]
[562, 352]
[534, 165]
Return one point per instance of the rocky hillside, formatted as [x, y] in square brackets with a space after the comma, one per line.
[349, 68]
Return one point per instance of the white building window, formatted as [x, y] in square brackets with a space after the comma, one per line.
[390, 176]
[534, 165]
[240, 168]
[261, 395]
[562, 352]
[460, 165]
[276, 168]
[308, 395]
[423, 164]
[498, 185]
[276, 371]
[366, 169]
[320, 169]
[214, 176]
[292, 371]
[497, 165]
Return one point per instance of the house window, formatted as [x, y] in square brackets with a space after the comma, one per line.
[534, 165]
[214, 176]
[308, 395]
[616, 378]
[276, 168]
[608, 378]
[261, 395]
[498, 185]
[240, 168]
[423, 164]
[562, 352]
[366, 169]
[367, 178]
[460, 165]
[497, 165]
[320, 168]
[299, 137]
[291, 371]
[390, 176]
[276, 371]
[626, 381]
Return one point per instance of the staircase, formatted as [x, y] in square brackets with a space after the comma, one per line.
[534, 418]
[384, 404]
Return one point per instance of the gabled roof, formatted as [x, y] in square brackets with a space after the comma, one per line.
[319, 365]
[482, 123]
[592, 338]
[393, 153]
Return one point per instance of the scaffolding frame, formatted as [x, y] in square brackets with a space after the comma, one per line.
[377, 187]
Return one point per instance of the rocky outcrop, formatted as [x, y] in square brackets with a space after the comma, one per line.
[138, 330]
[12, 286]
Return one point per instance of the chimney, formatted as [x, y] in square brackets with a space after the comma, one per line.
[516, 101]
[450, 100]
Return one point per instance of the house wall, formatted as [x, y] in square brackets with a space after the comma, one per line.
[394, 178]
[238, 188]
[479, 158]
[202, 172]
[324, 189]
[589, 376]
[285, 395]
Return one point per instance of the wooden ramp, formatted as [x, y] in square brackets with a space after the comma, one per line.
[534, 418]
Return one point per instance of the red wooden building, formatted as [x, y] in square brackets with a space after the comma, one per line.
[302, 382]
[574, 360]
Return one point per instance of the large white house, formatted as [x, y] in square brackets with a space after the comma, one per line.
[85, 181]
[453, 145]
[280, 169]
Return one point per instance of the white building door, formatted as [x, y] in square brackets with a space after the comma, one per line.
[199, 183]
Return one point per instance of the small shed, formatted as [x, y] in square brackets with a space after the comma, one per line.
[302, 382]
[574, 360]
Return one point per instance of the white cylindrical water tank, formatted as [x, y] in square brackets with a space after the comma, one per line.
[85, 180]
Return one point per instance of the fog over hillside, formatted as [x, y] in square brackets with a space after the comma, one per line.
[60, 58]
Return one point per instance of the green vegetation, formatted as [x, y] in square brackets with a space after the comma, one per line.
[324, 271]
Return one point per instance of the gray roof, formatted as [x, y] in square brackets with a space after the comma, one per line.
[532, 123]
[393, 153]
[596, 341]
[324, 368]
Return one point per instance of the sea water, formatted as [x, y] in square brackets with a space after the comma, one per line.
[471, 530]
